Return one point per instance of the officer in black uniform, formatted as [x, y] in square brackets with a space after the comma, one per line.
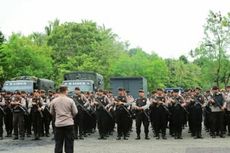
[153, 114]
[142, 115]
[92, 111]
[122, 115]
[79, 120]
[8, 118]
[178, 112]
[47, 116]
[37, 115]
[102, 102]
[161, 114]
[18, 104]
[196, 113]
[2, 113]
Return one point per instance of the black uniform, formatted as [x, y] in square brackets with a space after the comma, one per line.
[122, 118]
[142, 116]
[161, 117]
[195, 115]
[37, 116]
[102, 116]
[8, 118]
[80, 119]
[178, 117]
[2, 113]
[47, 117]
[153, 114]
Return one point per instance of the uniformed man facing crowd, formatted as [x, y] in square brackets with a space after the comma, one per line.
[64, 110]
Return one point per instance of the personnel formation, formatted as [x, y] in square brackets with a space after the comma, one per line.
[162, 114]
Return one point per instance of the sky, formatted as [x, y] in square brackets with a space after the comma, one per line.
[169, 28]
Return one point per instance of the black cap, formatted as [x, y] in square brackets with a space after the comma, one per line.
[141, 90]
[17, 92]
[215, 88]
[23, 92]
[176, 90]
[100, 90]
[77, 88]
[120, 89]
[154, 91]
[8, 92]
[42, 91]
[159, 89]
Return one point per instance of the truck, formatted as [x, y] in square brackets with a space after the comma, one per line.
[28, 84]
[131, 84]
[86, 81]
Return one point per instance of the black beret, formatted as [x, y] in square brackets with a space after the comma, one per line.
[77, 88]
[176, 90]
[215, 88]
[120, 89]
[141, 90]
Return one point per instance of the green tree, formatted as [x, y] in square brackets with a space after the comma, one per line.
[83, 46]
[214, 48]
[24, 57]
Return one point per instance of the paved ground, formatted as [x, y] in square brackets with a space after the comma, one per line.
[92, 145]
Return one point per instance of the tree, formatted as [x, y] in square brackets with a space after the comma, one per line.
[183, 75]
[21, 56]
[136, 62]
[83, 46]
[215, 45]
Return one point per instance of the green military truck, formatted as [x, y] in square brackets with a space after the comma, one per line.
[86, 81]
[28, 84]
[132, 84]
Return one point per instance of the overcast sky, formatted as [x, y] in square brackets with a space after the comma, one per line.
[168, 27]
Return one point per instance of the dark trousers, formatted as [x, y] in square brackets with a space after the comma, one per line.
[1, 124]
[141, 118]
[153, 118]
[178, 120]
[46, 121]
[227, 118]
[28, 123]
[64, 134]
[37, 123]
[207, 113]
[217, 122]
[8, 120]
[196, 120]
[122, 118]
[18, 122]
[79, 124]
[102, 122]
[161, 121]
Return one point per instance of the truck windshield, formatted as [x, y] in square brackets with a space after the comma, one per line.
[83, 85]
[19, 85]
